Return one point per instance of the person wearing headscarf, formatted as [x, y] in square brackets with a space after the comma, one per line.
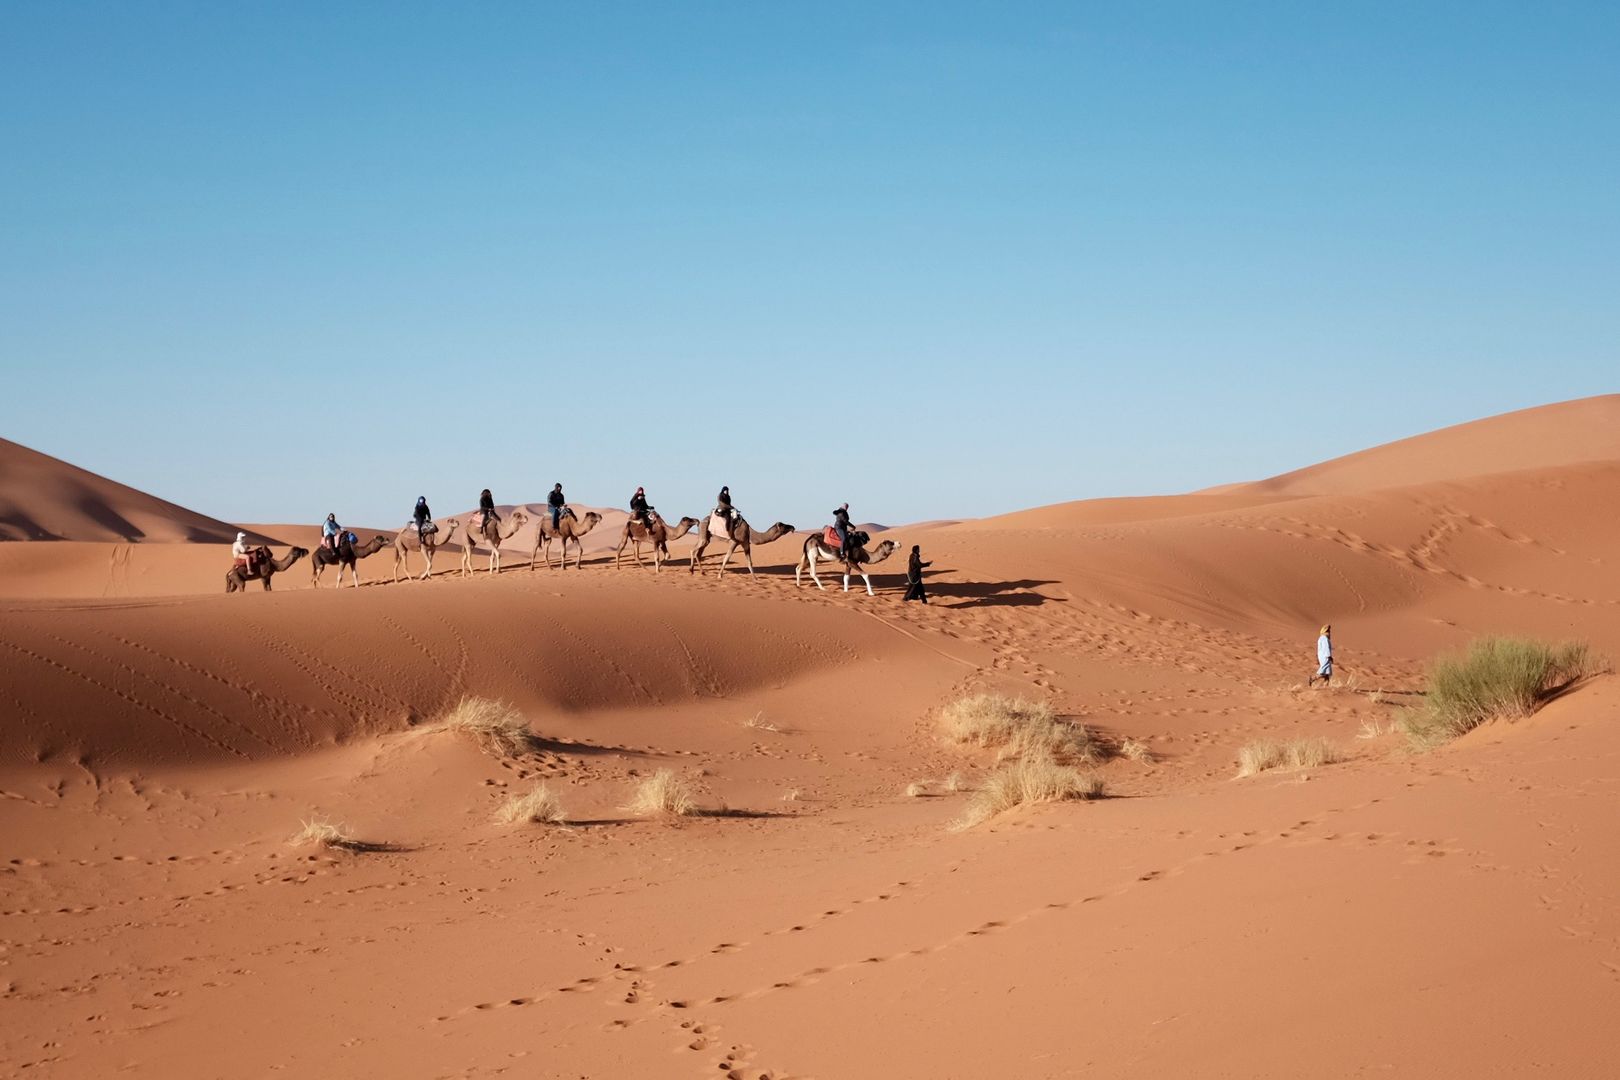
[722, 503]
[486, 507]
[330, 531]
[1324, 657]
[240, 552]
[914, 577]
[639, 506]
[422, 516]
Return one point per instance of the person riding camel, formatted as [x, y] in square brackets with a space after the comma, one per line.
[486, 507]
[330, 531]
[241, 554]
[640, 508]
[841, 529]
[556, 502]
[722, 504]
[422, 516]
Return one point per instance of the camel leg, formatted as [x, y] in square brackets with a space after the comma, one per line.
[354, 572]
[811, 556]
[726, 558]
[868, 581]
[748, 553]
[427, 557]
[846, 581]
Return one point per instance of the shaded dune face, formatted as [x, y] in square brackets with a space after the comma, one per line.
[215, 680]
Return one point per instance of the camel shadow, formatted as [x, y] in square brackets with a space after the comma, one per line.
[993, 593]
[546, 744]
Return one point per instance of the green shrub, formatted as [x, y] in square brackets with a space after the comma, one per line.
[1495, 678]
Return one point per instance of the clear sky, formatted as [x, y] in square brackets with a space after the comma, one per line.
[270, 260]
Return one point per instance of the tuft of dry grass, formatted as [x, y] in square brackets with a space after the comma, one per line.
[496, 726]
[538, 805]
[759, 723]
[1136, 750]
[321, 832]
[1265, 754]
[1017, 728]
[956, 782]
[916, 789]
[1026, 783]
[1496, 678]
[663, 794]
[792, 795]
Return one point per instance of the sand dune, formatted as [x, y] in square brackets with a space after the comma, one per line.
[42, 498]
[1439, 914]
[1568, 433]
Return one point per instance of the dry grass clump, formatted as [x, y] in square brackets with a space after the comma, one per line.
[1136, 750]
[1496, 678]
[1017, 728]
[916, 789]
[1026, 783]
[792, 795]
[1264, 754]
[956, 782]
[759, 723]
[495, 725]
[323, 833]
[664, 793]
[539, 805]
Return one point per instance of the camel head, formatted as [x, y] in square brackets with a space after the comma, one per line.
[592, 518]
[884, 550]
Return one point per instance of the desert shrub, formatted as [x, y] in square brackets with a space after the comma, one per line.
[664, 793]
[916, 789]
[1264, 754]
[1017, 728]
[956, 782]
[1027, 782]
[324, 834]
[538, 805]
[495, 725]
[1136, 750]
[1494, 678]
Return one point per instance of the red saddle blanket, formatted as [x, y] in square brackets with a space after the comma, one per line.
[831, 537]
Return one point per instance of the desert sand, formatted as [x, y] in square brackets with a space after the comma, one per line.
[1451, 913]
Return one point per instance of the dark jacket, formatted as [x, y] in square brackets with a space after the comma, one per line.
[724, 498]
[638, 504]
[486, 501]
[421, 513]
[915, 569]
[555, 498]
[841, 518]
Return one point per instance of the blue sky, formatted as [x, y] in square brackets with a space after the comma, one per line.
[937, 260]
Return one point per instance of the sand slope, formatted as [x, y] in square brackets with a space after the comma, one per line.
[1443, 914]
[42, 498]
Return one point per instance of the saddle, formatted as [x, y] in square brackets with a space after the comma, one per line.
[719, 524]
[830, 537]
[424, 529]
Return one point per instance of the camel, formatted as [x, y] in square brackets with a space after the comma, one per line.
[408, 541]
[741, 535]
[237, 577]
[346, 555]
[569, 527]
[491, 534]
[816, 548]
[657, 534]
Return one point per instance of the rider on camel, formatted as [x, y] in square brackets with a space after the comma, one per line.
[330, 531]
[241, 554]
[841, 528]
[640, 507]
[486, 507]
[556, 502]
[722, 504]
[422, 516]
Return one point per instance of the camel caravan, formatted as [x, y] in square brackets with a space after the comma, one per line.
[723, 531]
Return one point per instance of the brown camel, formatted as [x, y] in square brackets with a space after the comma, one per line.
[569, 527]
[741, 535]
[491, 534]
[264, 568]
[346, 555]
[408, 541]
[658, 534]
[816, 549]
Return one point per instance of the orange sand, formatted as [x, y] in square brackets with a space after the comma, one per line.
[1443, 914]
